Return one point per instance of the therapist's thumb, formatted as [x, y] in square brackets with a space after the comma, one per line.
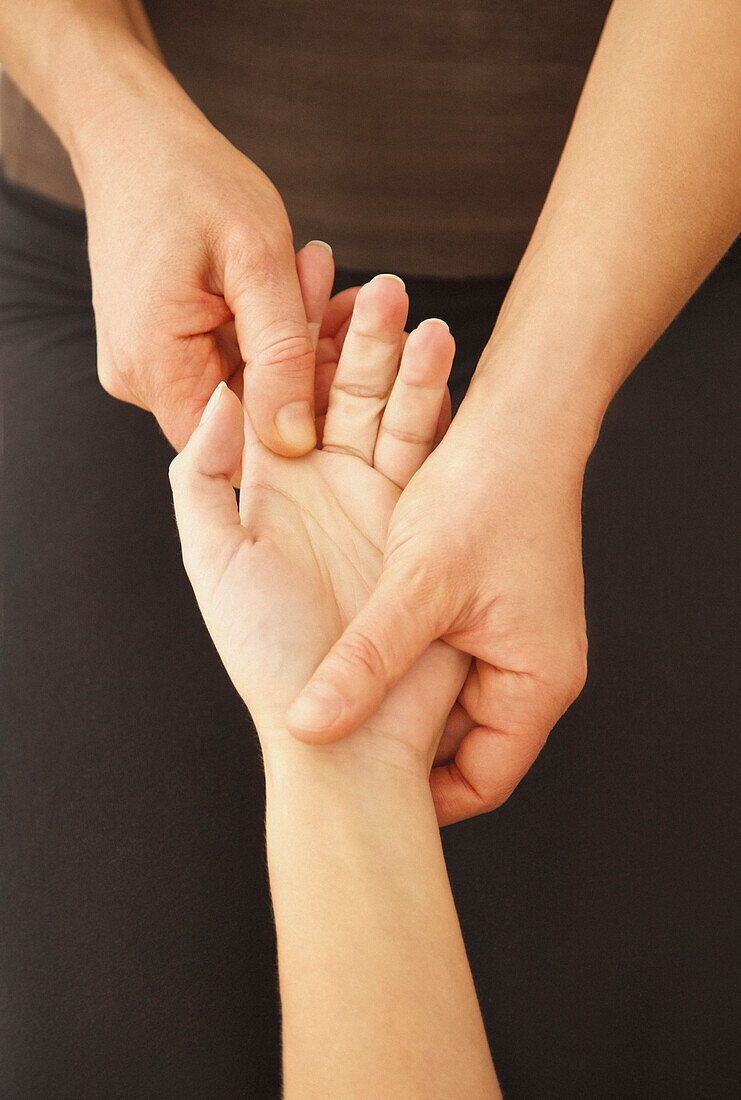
[382, 643]
[274, 340]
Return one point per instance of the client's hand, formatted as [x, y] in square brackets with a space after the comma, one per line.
[279, 579]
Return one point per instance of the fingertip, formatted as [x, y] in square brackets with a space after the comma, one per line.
[388, 275]
[436, 336]
[315, 737]
[428, 354]
[315, 270]
[210, 406]
[381, 306]
[313, 716]
[319, 244]
[216, 445]
[295, 426]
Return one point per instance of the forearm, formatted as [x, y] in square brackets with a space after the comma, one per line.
[645, 201]
[375, 986]
[86, 65]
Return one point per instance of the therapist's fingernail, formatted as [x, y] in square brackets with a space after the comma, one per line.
[321, 244]
[315, 709]
[295, 425]
[212, 402]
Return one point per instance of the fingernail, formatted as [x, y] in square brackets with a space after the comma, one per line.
[436, 321]
[321, 244]
[295, 425]
[388, 275]
[315, 709]
[212, 402]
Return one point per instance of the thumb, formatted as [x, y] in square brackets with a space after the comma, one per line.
[384, 640]
[205, 503]
[276, 346]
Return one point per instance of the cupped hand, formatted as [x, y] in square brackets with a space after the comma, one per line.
[484, 552]
[194, 275]
[279, 580]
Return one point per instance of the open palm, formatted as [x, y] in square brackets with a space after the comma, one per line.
[279, 580]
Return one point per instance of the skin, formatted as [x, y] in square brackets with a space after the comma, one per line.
[367, 929]
[191, 251]
[484, 545]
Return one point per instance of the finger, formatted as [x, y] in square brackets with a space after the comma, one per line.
[205, 504]
[339, 311]
[341, 334]
[511, 718]
[327, 356]
[487, 767]
[445, 418]
[178, 405]
[409, 423]
[458, 724]
[367, 367]
[315, 268]
[276, 347]
[378, 647]
[325, 373]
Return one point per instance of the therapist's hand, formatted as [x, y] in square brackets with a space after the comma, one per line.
[194, 273]
[484, 551]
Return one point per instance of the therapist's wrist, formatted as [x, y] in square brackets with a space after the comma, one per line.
[130, 104]
[523, 403]
[560, 349]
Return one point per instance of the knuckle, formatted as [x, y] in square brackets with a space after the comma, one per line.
[111, 381]
[416, 438]
[257, 254]
[286, 347]
[115, 369]
[357, 651]
[563, 675]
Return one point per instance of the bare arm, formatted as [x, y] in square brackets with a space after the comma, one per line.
[98, 41]
[645, 201]
[376, 992]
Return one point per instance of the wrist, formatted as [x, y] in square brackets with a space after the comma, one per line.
[561, 346]
[527, 411]
[122, 94]
[366, 767]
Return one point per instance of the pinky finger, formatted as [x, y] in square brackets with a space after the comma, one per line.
[411, 420]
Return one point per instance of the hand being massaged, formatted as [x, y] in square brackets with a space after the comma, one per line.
[280, 577]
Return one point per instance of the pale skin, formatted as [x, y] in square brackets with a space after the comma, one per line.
[376, 992]
[644, 203]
